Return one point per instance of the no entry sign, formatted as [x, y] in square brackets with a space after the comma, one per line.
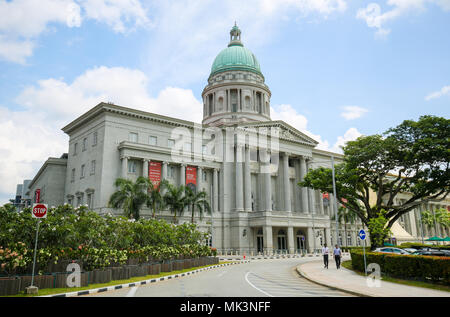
[39, 211]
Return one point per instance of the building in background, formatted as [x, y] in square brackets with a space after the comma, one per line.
[248, 164]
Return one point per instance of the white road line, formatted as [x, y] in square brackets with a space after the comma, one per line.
[132, 292]
[246, 278]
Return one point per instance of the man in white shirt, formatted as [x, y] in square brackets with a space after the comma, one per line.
[325, 255]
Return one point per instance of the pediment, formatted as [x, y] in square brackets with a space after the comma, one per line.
[286, 132]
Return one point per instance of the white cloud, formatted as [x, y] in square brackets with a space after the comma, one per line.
[437, 94]
[188, 42]
[28, 137]
[23, 21]
[376, 19]
[353, 112]
[350, 135]
[116, 13]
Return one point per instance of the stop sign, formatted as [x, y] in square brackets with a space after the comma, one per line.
[39, 211]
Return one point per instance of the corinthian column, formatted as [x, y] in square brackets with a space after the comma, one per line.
[304, 190]
[145, 163]
[286, 183]
[124, 166]
[239, 179]
[248, 181]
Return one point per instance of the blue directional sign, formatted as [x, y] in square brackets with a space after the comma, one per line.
[362, 234]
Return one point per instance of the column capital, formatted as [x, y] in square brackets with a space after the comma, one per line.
[165, 163]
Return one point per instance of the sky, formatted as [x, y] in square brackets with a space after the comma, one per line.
[337, 69]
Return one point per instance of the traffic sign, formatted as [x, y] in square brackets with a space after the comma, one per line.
[39, 211]
[362, 234]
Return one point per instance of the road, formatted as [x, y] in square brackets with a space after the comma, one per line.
[259, 278]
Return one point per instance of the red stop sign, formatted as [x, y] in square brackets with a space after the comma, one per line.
[39, 211]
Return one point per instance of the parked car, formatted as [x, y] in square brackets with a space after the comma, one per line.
[410, 250]
[392, 250]
[432, 252]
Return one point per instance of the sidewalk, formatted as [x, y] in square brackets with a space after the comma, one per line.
[349, 281]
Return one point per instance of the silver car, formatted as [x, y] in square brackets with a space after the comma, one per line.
[392, 250]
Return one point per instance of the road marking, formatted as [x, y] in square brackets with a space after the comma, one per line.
[132, 292]
[246, 278]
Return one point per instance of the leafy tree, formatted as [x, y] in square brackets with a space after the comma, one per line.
[175, 199]
[412, 158]
[197, 200]
[345, 216]
[130, 196]
[155, 198]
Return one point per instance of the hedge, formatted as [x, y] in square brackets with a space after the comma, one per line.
[416, 267]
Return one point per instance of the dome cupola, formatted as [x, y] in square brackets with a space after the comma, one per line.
[236, 91]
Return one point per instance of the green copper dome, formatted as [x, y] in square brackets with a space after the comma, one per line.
[235, 56]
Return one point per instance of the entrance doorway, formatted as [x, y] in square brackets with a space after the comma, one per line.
[259, 241]
[301, 241]
[281, 240]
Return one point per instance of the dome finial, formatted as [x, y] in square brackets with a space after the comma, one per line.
[235, 36]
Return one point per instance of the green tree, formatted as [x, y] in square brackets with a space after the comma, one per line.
[412, 158]
[197, 200]
[345, 216]
[155, 198]
[175, 199]
[130, 196]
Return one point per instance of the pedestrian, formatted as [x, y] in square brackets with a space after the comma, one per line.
[337, 256]
[325, 252]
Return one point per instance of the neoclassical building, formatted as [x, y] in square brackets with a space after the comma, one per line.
[248, 164]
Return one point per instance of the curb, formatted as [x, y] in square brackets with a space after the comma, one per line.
[303, 274]
[144, 282]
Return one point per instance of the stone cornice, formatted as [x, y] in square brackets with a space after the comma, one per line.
[111, 108]
[49, 161]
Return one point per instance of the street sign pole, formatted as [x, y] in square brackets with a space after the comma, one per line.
[362, 236]
[364, 250]
[35, 249]
[39, 211]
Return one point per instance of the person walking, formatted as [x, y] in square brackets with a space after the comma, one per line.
[337, 256]
[325, 252]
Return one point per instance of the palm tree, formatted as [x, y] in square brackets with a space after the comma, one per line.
[175, 199]
[131, 196]
[428, 220]
[346, 216]
[155, 198]
[198, 200]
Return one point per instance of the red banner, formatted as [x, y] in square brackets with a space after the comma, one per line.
[154, 173]
[37, 196]
[326, 196]
[191, 177]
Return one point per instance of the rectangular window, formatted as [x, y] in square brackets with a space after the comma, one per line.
[84, 144]
[153, 140]
[82, 171]
[133, 137]
[94, 139]
[131, 167]
[170, 172]
[205, 176]
[170, 143]
[89, 200]
[75, 149]
[204, 150]
[72, 177]
[92, 167]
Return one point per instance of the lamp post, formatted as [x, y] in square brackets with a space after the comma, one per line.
[335, 198]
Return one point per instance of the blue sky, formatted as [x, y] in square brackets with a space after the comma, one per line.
[336, 68]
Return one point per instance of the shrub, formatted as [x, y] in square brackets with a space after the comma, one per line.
[434, 268]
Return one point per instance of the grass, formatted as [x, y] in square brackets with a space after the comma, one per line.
[348, 265]
[52, 291]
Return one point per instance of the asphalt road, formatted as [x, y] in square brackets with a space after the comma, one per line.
[259, 278]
